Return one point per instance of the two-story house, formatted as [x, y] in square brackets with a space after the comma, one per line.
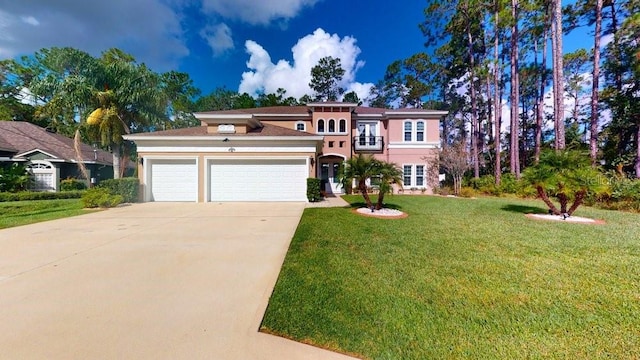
[266, 154]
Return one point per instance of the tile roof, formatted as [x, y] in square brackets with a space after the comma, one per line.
[265, 130]
[23, 137]
[289, 110]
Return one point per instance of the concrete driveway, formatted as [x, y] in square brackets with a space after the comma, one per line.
[147, 281]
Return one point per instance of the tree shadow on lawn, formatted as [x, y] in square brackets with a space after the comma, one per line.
[362, 204]
[524, 209]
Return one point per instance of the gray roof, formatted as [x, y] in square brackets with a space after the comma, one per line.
[19, 137]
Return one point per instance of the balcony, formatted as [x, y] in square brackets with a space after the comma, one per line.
[368, 143]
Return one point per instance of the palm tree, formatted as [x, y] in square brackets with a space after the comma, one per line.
[388, 173]
[360, 169]
[565, 175]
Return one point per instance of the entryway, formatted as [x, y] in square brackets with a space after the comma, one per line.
[329, 169]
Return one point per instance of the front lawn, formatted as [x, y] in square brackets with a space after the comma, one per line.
[461, 278]
[16, 213]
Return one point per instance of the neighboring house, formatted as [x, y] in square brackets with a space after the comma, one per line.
[48, 156]
[266, 154]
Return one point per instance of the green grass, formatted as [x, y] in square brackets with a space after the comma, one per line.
[16, 213]
[461, 278]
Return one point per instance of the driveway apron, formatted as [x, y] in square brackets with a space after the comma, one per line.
[147, 281]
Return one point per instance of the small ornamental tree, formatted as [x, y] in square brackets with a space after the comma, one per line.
[388, 173]
[566, 176]
[363, 168]
[360, 169]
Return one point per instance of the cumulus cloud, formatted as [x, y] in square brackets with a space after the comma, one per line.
[149, 29]
[256, 12]
[218, 37]
[266, 76]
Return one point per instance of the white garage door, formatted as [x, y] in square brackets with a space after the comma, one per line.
[174, 180]
[258, 180]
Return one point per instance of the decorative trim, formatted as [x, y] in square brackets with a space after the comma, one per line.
[36, 150]
[413, 145]
[225, 149]
[220, 138]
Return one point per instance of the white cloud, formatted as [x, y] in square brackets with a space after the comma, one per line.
[30, 20]
[265, 76]
[256, 11]
[218, 37]
[605, 40]
[148, 29]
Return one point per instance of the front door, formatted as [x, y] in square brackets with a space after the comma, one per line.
[329, 176]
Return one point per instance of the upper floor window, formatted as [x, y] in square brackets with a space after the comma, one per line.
[301, 126]
[408, 130]
[332, 126]
[414, 131]
[420, 131]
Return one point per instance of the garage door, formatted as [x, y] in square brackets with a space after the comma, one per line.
[258, 180]
[174, 180]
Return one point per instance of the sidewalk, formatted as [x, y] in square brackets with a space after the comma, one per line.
[329, 201]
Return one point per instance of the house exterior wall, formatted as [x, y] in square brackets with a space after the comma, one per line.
[202, 162]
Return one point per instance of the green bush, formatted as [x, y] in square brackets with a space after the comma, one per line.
[467, 192]
[509, 184]
[485, 184]
[72, 184]
[39, 195]
[313, 190]
[125, 187]
[14, 178]
[100, 197]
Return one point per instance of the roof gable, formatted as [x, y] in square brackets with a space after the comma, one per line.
[26, 138]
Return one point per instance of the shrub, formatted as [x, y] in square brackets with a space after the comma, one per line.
[467, 192]
[125, 187]
[37, 195]
[14, 178]
[100, 197]
[313, 190]
[509, 184]
[485, 184]
[72, 184]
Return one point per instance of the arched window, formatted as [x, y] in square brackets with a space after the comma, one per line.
[408, 129]
[301, 126]
[420, 131]
[320, 126]
[343, 126]
[332, 125]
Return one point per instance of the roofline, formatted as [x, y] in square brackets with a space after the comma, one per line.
[222, 138]
[328, 104]
[422, 112]
[234, 116]
[282, 115]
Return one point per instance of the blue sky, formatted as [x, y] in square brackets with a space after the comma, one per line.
[213, 40]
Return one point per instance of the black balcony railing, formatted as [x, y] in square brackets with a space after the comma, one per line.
[368, 143]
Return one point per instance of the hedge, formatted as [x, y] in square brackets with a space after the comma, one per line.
[313, 190]
[100, 197]
[125, 187]
[39, 195]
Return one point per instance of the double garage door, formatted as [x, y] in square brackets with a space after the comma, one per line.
[230, 180]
